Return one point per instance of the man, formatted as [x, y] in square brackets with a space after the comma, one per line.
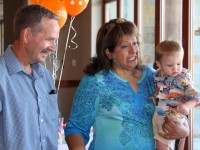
[28, 99]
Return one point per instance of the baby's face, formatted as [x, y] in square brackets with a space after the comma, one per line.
[171, 65]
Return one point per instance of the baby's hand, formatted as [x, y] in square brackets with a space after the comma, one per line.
[192, 92]
[183, 109]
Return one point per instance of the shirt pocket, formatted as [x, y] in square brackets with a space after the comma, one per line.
[52, 106]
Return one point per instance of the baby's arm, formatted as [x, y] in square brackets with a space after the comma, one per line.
[187, 106]
[190, 92]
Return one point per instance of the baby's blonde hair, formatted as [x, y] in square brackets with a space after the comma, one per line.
[167, 47]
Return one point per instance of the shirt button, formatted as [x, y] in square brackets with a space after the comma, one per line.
[39, 100]
[41, 120]
[43, 140]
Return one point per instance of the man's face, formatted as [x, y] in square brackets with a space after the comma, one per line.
[42, 43]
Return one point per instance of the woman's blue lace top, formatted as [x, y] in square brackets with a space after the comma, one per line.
[121, 118]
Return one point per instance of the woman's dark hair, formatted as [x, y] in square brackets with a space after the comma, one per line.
[109, 35]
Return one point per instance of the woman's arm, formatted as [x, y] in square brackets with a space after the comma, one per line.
[82, 115]
[174, 129]
[75, 142]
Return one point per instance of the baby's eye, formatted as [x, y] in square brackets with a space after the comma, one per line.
[135, 44]
[170, 65]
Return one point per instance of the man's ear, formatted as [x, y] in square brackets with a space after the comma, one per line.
[27, 34]
[108, 54]
[158, 64]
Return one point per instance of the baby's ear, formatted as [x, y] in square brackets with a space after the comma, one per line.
[158, 64]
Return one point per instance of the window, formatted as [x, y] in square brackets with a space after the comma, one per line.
[195, 65]
[110, 10]
[128, 9]
[147, 30]
[96, 23]
[172, 27]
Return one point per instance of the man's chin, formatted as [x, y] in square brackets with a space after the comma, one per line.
[42, 60]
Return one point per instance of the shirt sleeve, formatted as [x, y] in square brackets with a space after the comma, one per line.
[84, 109]
[190, 89]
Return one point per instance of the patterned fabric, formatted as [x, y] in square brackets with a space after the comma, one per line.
[121, 118]
[28, 113]
[173, 91]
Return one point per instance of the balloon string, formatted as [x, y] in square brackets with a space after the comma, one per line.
[45, 64]
[55, 67]
[50, 62]
[72, 39]
[66, 46]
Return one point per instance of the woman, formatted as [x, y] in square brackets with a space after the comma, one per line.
[114, 96]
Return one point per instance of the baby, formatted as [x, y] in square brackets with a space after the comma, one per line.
[175, 94]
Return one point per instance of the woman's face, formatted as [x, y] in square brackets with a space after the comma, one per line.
[125, 55]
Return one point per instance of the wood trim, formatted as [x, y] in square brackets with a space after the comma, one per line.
[107, 1]
[103, 11]
[24, 2]
[186, 17]
[68, 83]
[136, 21]
[119, 9]
[158, 23]
[9, 12]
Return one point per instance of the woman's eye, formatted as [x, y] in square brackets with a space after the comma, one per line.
[124, 46]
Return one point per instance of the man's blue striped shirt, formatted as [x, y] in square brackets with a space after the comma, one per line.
[28, 113]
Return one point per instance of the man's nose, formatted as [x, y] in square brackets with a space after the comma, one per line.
[53, 46]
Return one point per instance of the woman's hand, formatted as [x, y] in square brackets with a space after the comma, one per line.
[174, 129]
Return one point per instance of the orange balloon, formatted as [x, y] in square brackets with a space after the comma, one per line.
[57, 7]
[36, 2]
[75, 7]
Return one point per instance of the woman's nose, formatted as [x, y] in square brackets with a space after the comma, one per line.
[134, 48]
